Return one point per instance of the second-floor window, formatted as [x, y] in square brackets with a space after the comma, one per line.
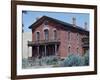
[46, 33]
[37, 36]
[69, 35]
[55, 34]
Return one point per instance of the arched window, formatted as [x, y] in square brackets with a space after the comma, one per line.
[46, 33]
[55, 34]
[37, 36]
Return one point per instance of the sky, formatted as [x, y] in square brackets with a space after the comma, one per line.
[29, 17]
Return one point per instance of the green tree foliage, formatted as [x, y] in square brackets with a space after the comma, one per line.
[73, 60]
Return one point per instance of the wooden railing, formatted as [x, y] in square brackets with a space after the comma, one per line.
[43, 42]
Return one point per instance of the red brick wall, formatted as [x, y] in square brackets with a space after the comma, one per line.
[40, 28]
[62, 34]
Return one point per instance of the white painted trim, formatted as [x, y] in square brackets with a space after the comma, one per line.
[46, 27]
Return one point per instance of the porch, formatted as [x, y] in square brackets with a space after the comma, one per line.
[44, 48]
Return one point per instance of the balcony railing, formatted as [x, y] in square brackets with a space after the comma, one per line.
[56, 41]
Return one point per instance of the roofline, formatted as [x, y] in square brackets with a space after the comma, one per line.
[58, 21]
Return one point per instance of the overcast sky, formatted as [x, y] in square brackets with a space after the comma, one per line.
[29, 17]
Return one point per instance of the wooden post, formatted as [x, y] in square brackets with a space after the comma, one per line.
[45, 51]
[28, 51]
[55, 49]
[38, 51]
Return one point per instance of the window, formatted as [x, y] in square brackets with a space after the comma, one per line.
[55, 34]
[37, 36]
[46, 33]
[77, 36]
[68, 49]
[69, 36]
[77, 50]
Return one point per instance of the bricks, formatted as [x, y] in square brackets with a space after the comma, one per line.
[74, 43]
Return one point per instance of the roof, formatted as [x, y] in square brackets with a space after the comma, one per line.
[65, 24]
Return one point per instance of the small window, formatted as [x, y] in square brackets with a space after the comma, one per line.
[69, 35]
[77, 50]
[46, 33]
[77, 36]
[68, 49]
[37, 36]
[55, 34]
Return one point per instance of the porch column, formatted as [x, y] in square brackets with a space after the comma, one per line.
[38, 51]
[56, 49]
[27, 51]
[45, 51]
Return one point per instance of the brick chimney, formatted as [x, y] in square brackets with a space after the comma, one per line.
[74, 21]
[85, 25]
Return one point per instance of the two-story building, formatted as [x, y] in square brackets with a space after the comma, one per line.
[54, 37]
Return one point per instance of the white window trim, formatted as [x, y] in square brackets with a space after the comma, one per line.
[46, 27]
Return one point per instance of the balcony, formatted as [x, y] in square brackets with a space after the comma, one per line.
[43, 42]
[85, 42]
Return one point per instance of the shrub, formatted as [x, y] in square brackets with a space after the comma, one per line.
[51, 60]
[86, 58]
[73, 60]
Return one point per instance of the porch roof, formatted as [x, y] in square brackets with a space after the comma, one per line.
[43, 42]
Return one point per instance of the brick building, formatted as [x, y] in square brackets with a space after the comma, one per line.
[54, 37]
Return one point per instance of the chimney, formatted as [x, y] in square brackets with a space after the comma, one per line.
[37, 18]
[74, 21]
[85, 25]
